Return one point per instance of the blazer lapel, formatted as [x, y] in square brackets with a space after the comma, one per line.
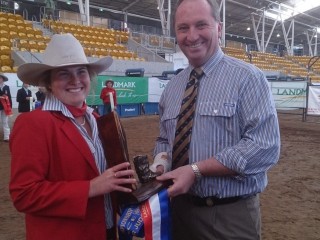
[76, 138]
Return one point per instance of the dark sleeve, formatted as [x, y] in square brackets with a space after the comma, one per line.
[30, 95]
[19, 95]
[38, 96]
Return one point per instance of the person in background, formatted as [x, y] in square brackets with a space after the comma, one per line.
[4, 92]
[41, 96]
[50, 7]
[217, 155]
[105, 96]
[59, 175]
[24, 98]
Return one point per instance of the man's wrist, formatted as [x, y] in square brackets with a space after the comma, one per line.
[196, 171]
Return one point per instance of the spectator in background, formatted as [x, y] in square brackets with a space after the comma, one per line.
[5, 96]
[24, 99]
[41, 96]
[219, 133]
[105, 96]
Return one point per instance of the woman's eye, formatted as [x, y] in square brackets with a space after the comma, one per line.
[62, 74]
[83, 71]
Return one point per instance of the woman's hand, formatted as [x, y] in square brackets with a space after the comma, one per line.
[113, 179]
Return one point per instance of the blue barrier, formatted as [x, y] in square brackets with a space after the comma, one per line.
[129, 110]
[151, 108]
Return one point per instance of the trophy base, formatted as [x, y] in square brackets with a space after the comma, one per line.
[143, 192]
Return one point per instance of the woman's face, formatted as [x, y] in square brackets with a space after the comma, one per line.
[70, 85]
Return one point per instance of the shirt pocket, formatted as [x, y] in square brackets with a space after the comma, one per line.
[169, 121]
[218, 122]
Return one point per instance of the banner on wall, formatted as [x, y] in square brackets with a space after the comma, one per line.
[128, 89]
[289, 94]
[314, 100]
[143, 90]
[156, 87]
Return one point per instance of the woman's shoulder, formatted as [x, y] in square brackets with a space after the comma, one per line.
[36, 116]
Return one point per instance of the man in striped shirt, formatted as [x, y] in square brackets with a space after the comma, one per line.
[235, 136]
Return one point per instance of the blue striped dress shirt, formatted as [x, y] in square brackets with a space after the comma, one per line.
[53, 104]
[235, 122]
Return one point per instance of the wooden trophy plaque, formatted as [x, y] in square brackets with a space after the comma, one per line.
[115, 147]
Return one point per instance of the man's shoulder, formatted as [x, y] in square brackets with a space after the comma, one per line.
[238, 63]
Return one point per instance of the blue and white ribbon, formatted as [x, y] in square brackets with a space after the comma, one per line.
[150, 219]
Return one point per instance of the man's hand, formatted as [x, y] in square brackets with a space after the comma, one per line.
[182, 178]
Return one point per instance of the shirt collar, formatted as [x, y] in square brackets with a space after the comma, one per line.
[212, 61]
[53, 104]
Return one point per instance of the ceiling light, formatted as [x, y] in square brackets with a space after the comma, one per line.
[284, 12]
[248, 28]
[16, 6]
[278, 35]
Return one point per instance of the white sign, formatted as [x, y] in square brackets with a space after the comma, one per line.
[289, 94]
[314, 100]
[155, 88]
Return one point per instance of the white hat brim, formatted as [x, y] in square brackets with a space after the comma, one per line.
[34, 73]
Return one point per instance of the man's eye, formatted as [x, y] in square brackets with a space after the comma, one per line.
[202, 25]
[182, 29]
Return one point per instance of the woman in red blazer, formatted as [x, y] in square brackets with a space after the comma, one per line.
[59, 177]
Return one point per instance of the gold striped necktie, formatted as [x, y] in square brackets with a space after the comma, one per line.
[180, 151]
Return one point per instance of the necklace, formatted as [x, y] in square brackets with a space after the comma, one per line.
[84, 121]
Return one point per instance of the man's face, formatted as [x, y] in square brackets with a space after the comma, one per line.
[197, 31]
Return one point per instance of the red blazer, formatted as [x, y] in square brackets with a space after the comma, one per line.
[51, 167]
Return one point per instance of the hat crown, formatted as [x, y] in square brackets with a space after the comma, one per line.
[64, 49]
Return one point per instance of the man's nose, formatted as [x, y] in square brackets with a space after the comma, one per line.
[192, 34]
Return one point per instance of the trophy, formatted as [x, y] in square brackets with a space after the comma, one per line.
[114, 143]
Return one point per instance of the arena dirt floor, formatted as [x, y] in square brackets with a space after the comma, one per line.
[290, 204]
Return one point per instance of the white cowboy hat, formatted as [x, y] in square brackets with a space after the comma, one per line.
[3, 76]
[63, 50]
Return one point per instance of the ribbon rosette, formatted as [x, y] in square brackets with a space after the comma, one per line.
[6, 105]
[150, 219]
